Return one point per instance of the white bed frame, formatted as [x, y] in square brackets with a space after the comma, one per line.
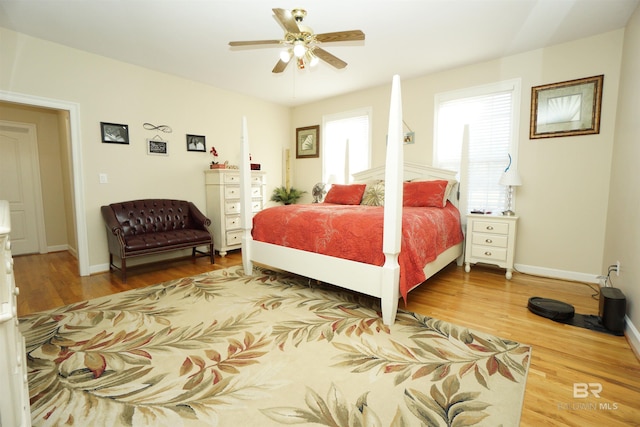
[377, 281]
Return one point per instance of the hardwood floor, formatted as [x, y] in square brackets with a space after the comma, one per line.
[483, 299]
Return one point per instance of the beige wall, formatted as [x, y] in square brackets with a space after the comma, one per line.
[622, 241]
[111, 91]
[52, 163]
[563, 202]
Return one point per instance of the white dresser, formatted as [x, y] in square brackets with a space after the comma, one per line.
[491, 239]
[223, 205]
[14, 404]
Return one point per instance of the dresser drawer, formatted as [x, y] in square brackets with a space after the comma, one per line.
[256, 192]
[234, 237]
[489, 253]
[256, 206]
[232, 192]
[231, 178]
[493, 240]
[232, 222]
[231, 208]
[491, 227]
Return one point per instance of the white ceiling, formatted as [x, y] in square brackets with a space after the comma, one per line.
[190, 38]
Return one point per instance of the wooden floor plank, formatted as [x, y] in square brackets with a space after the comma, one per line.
[482, 299]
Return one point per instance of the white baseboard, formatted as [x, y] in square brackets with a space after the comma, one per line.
[633, 336]
[558, 274]
[98, 268]
[57, 248]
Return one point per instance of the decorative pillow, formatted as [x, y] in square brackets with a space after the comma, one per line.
[451, 184]
[425, 193]
[345, 194]
[374, 194]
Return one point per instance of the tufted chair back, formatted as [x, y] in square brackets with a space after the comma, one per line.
[152, 215]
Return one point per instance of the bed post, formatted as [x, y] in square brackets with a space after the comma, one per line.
[246, 218]
[392, 207]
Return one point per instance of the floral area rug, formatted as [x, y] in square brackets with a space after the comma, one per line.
[224, 349]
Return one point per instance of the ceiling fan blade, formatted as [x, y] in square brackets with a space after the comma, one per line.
[254, 42]
[329, 58]
[340, 36]
[280, 66]
[285, 17]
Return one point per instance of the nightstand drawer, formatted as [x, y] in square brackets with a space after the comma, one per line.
[489, 253]
[491, 227]
[493, 240]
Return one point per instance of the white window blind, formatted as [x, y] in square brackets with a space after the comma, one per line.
[491, 114]
[352, 129]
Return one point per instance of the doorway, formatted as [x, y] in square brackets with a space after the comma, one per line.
[77, 192]
[19, 166]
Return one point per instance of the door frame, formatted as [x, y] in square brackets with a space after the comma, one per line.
[76, 165]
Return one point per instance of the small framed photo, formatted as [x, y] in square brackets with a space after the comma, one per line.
[308, 142]
[157, 147]
[567, 108]
[196, 143]
[113, 133]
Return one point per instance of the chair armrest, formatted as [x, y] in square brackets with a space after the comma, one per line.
[110, 220]
[198, 217]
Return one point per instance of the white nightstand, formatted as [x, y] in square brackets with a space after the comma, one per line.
[490, 239]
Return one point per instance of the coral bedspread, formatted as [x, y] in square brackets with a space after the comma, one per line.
[354, 232]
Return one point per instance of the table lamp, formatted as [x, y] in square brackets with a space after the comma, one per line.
[510, 178]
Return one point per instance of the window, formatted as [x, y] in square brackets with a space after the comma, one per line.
[492, 113]
[339, 130]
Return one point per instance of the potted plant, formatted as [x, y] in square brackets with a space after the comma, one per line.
[214, 163]
[286, 195]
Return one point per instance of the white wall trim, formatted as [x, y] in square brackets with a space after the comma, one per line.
[76, 160]
[633, 336]
[58, 248]
[558, 274]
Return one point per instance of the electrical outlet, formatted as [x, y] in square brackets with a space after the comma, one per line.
[617, 268]
[103, 178]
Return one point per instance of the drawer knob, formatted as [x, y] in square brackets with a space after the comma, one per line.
[487, 253]
[488, 241]
[489, 227]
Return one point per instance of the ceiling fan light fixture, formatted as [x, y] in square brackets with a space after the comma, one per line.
[285, 55]
[299, 49]
[300, 41]
[312, 59]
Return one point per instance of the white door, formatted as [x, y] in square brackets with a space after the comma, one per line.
[20, 185]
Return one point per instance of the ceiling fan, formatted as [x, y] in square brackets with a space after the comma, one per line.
[301, 43]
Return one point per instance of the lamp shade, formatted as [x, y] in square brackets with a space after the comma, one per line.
[510, 177]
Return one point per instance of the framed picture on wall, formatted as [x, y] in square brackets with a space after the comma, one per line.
[567, 108]
[196, 143]
[308, 142]
[114, 133]
[157, 147]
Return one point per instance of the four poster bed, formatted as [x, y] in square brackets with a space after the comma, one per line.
[428, 230]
